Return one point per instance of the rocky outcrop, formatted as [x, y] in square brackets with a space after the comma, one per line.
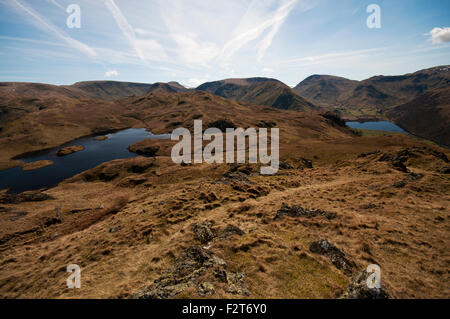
[412, 177]
[298, 211]
[336, 256]
[401, 159]
[203, 232]
[358, 289]
[188, 268]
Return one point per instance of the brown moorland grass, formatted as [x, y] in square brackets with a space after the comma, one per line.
[128, 221]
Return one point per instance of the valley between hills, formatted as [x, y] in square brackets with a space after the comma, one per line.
[144, 227]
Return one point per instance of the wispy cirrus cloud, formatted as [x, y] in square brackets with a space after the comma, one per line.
[259, 18]
[45, 25]
[146, 49]
[329, 57]
[56, 4]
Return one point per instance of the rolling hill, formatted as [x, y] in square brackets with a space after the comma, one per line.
[98, 90]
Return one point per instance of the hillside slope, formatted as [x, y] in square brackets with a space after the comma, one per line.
[325, 89]
[259, 91]
[427, 116]
[160, 87]
[373, 96]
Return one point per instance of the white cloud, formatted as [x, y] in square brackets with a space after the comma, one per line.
[440, 35]
[111, 73]
[268, 70]
[193, 51]
[193, 83]
[47, 26]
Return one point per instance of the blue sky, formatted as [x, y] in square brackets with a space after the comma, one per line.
[194, 41]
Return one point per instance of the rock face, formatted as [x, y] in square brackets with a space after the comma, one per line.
[69, 150]
[336, 256]
[358, 289]
[298, 211]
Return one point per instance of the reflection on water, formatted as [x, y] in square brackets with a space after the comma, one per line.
[94, 153]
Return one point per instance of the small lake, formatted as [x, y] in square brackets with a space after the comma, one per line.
[94, 154]
[376, 126]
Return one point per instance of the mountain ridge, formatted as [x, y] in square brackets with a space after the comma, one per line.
[372, 96]
[260, 91]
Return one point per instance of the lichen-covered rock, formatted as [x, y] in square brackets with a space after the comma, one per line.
[206, 289]
[236, 284]
[203, 232]
[190, 265]
[298, 211]
[189, 270]
[336, 256]
[358, 289]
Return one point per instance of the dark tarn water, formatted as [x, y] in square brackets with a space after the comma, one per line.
[376, 126]
[94, 154]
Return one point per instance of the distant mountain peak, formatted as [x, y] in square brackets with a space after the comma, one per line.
[259, 91]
